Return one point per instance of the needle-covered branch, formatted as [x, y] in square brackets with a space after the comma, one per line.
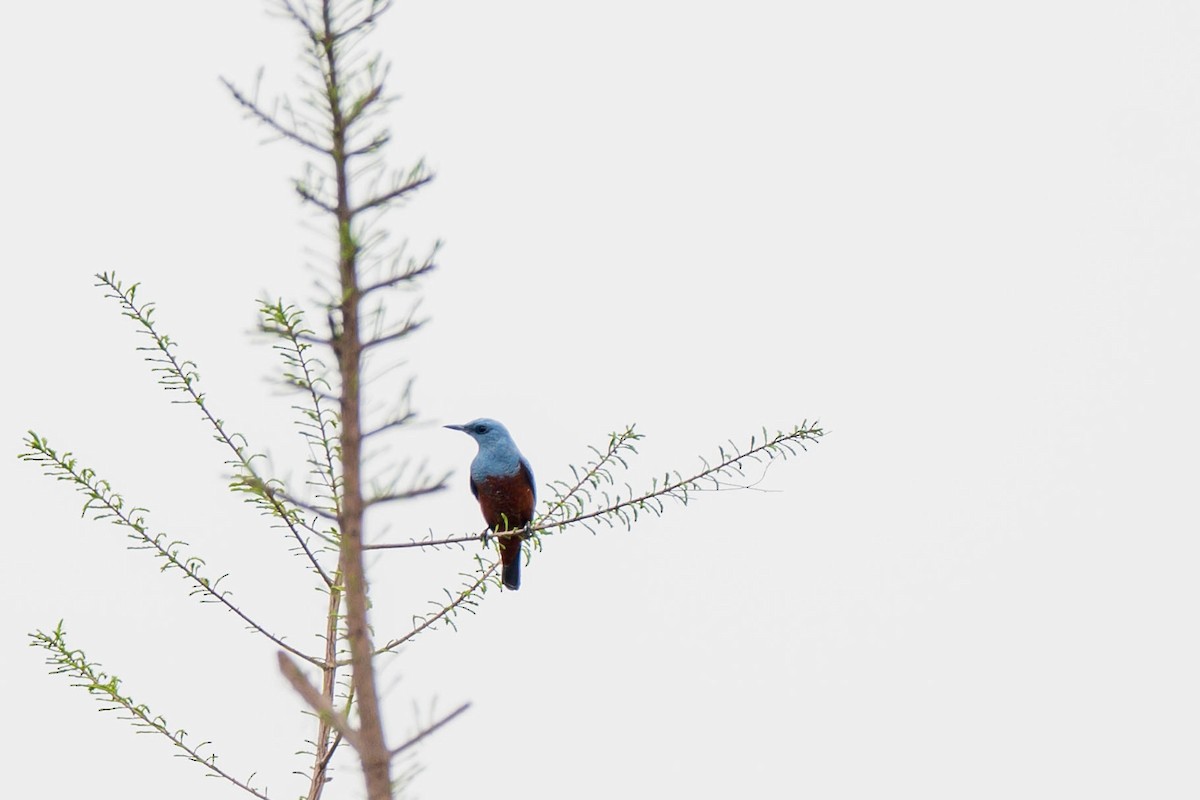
[86, 674]
[576, 502]
[465, 599]
[318, 424]
[104, 503]
[620, 445]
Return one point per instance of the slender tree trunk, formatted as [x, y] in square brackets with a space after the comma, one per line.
[373, 752]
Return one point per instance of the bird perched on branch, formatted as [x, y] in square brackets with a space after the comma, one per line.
[502, 482]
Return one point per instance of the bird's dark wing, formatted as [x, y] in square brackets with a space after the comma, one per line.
[527, 473]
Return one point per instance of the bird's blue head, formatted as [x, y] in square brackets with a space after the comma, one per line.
[488, 433]
[498, 453]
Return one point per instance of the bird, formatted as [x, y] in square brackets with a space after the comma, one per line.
[502, 482]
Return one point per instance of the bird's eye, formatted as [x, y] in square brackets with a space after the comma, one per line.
[481, 428]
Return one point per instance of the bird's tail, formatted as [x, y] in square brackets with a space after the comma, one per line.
[510, 557]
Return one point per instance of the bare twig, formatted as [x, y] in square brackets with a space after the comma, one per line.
[396, 280]
[370, 147]
[404, 330]
[431, 729]
[404, 419]
[300, 19]
[392, 196]
[307, 195]
[267, 119]
[392, 497]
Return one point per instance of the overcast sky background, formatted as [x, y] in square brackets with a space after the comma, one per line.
[962, 235]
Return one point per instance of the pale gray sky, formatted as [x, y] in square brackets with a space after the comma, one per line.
[963, 235]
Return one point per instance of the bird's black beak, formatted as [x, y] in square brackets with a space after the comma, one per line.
[455, 427]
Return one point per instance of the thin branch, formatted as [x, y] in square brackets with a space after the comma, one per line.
[432, 728]
[770, 447]
[312, 558]
[266, 119]
[324, 536]
[392, 196]
[404, 277]
[290, 516]
[392, 497]
[466, 596]
[617, 442]
[390, 424]
[370, 147]
[307, 195]
[309, 338]
[404, 330]
[323, 513]
[362, 104]
[301, 19]
[289, 321]
[474, 537]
